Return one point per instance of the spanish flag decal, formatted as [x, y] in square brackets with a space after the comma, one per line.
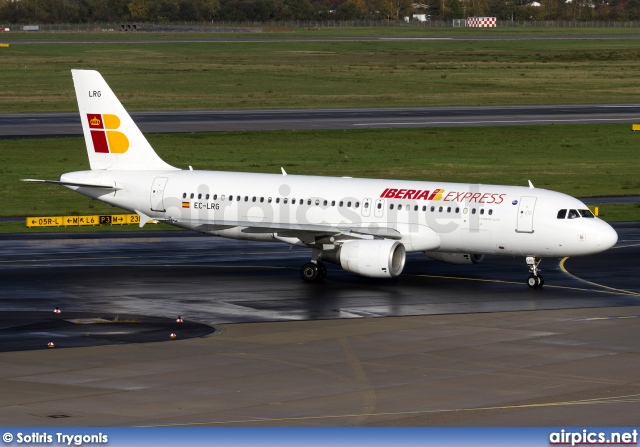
[185, 204]
[106, 140]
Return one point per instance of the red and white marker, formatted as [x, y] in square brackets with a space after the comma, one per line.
[173, 335]
[51, 345]
[57, 311]
[179, 320]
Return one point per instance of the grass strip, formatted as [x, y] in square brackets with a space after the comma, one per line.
[580, 160]
[258, 75]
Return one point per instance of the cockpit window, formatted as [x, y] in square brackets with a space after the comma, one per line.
[573, 214]
[562, 214]
[586, 213]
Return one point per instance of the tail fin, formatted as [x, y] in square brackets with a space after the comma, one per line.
[113, 139]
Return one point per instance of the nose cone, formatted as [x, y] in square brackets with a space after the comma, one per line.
[607, 237]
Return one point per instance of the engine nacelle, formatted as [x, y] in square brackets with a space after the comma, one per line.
[455, 258]
[378, 258]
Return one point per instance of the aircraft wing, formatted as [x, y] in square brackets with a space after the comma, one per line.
[302, 231]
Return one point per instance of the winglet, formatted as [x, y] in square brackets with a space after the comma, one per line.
[530, 184]
[283, 171]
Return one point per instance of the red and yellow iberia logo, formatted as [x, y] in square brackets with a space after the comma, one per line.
[106, 140]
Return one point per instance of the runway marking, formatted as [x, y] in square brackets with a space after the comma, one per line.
[367, 391]
[473, 122]
[579, 289]
[630, 398]
[624, 317]
[618, 291]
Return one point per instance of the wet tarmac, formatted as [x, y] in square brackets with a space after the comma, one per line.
[216, 281]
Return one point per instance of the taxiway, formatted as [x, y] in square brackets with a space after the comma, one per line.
[460, 345]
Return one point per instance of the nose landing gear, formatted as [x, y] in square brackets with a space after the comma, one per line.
[535, 280]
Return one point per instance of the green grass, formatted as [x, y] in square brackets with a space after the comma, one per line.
[580, 160]
[619, 212]
[312, 32]
[237, 75]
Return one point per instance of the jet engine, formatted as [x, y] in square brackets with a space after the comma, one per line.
[378, 258]
[455, 258]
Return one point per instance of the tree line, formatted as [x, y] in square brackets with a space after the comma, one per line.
[79, 11]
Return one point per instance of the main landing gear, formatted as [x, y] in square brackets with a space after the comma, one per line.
[315, 270]
[535, 280]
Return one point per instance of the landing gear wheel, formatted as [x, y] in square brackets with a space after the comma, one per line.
[535, 282]
[310, 272]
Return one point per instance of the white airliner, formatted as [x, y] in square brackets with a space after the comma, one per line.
[367, 226]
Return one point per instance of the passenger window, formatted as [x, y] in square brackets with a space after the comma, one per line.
[424, 208]
[230, 198]
[391, 206]
[482, 211]
[293, 201]
[325, 203]
[357, 204]
[473, 210]
[277, 199]
[199, 196]
[222, 197]
[317, 202]
[379, 206]
[261, 199]
[586, 213]
[285, 200]
[348, 204]
[366, 205]
[448, 209]
[309, 202]
[457, 210]
[333, 203]
[415, 208]
[206, 197]
[184, 195]
[238, 198]
[408, 207]
[340, 203]
[433, 208]
[192, 195]
[440, 209]
[269, 200]
[254, 199]
[562, 214]
[573, 214]
[246, 198]
[490, 212]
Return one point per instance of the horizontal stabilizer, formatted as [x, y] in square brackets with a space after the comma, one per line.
[82, 185]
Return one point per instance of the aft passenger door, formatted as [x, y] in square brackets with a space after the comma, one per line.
[525, 215]
[157, 193]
